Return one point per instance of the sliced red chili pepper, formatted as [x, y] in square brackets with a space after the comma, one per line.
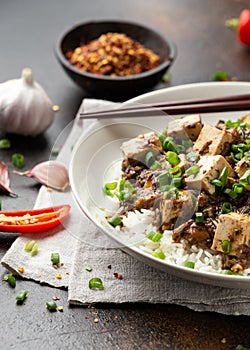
[33, 220]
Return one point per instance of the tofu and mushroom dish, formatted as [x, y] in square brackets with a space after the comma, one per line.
[195, 180]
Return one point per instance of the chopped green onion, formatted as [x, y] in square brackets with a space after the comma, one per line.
[172, 158]
[154, 236]
[236, 157]
[229, 272]
[166, 77]
[164, 180]
[162, 135]
[158, 253]
[168, 144]
[172, 192]
[193, 170]
[247, 154]
[21, 296]
[10, 279]
[5, 144]
[180, 148]
[227, 207]
[29, 245]
[18, 160]
[34, 250]
[239, 147]
[122, 185]
[176, 182]
[156, 165]
[126, 189]
[88, 268]
[231, 124]
[241, 347]
[232, 194]
[149, 159]
[220, 76]
[95, 283]
[175, 172]
[189, 264]
[245, 179]
[55, 151]
[199, 217]
[109, 187]
[226, 246]
[187, 143]
[115, 221]
[221, 181]
[223, 176]
[51, 305]
[216, 183]
[192, 157]
[55, 258]
[238, 188]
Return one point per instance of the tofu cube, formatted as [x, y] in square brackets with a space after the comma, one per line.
[212, 141]
[186, 127]
[234, 228]
[246, 119]
[242, 166]
[184, 163]
[175, 212]
[210, 168]
[136, 148]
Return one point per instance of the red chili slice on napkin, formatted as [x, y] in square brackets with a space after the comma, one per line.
[35, 220]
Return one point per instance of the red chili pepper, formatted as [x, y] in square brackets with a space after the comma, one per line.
[244, 27]
[33, 220]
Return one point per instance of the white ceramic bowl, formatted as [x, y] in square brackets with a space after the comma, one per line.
[99, 149]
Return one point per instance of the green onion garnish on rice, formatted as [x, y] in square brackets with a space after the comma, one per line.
[154, 236]
[158, 253]
[115, 221]
[189, 264]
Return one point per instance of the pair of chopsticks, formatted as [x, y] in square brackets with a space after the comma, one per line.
[209, 105]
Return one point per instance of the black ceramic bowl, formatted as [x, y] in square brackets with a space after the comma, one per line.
[120, 87]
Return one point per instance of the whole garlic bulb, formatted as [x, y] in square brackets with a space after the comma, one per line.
[25, 108]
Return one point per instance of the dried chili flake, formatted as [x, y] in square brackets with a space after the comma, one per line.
[113, 54]
[118, 276]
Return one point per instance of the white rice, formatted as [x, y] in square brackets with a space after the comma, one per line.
[136, 226]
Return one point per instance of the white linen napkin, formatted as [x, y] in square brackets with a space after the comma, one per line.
[81, 246]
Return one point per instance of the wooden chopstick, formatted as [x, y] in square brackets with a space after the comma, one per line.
[218, 104]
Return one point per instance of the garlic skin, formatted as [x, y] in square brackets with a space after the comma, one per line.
[25, 108]
[50, 173]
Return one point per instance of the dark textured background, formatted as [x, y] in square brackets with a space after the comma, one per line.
[28, 32]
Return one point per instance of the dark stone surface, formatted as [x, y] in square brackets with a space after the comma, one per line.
[29, 29]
